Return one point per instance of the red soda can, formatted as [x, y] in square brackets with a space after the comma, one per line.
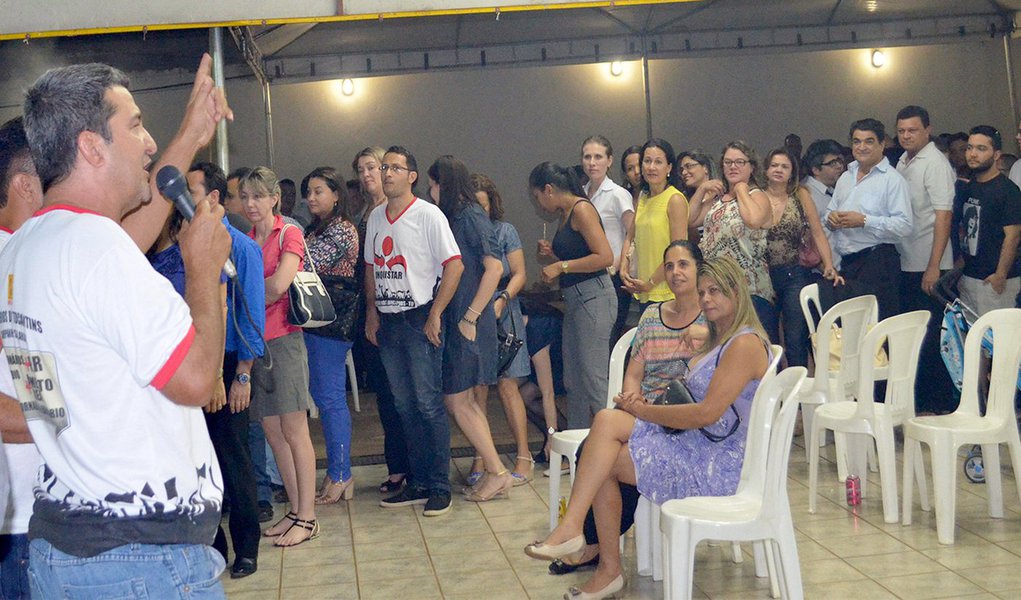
[853, 490]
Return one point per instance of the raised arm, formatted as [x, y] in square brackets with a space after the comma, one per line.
[206, 107]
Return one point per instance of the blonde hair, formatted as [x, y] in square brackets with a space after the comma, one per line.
[373, 151]
[262, 179]
[727, 274]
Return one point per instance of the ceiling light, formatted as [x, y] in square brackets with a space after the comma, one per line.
[878, 58]
[347, 87]
[871, 5]
[616, 68]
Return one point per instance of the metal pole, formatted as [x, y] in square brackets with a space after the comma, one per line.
[1010, 79]
[216, 48]
[648, 92]
[267, 100]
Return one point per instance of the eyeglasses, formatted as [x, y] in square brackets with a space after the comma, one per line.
[690, 166]
[397, 169]
[835, 162]
[739, 163]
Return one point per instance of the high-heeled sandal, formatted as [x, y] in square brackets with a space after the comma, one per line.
[290, 516]
[474, 476]
[502, 492]
[392, 487]
[337, 490]
[520, 479]
[310, 525]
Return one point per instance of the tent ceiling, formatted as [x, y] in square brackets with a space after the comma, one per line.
[395, 45]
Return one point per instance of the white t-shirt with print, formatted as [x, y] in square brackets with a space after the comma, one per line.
[92, 333]
[407, 254]
[23, 461]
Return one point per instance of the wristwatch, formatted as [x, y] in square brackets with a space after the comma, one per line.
[550, 431]
[243, 378]
[563, 266]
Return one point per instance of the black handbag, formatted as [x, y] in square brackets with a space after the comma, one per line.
[308, 306]
[677, 392]
[345, 292]
[507, 347]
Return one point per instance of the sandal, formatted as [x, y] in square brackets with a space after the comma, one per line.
[290, 516]
[520, 479]
[392, 487]
[474, 476]
[503, 491]
[310, 525]
[335, 491]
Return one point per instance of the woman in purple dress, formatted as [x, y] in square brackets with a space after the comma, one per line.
[634, 445]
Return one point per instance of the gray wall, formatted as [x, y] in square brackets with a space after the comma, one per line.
[504, 121]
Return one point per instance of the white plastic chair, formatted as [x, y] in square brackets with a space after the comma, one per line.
[760, 510]
[863, 416]
[945, 434]
[352, 376]
[648, 541]
[565, 443]
[856, 315]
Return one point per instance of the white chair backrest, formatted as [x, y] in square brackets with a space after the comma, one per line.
[810, 301]
[770, 431]
[1005, 324]
[904, 334]
[755, 447]
[618, 362]
[855, 315]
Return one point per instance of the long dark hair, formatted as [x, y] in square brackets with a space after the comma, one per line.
[562, 178]
[336, 183]
[456, 191]
[626, 183]
[672, 177]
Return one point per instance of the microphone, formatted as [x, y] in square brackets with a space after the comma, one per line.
[174, 187]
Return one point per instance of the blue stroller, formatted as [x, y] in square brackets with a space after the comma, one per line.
[957, 320]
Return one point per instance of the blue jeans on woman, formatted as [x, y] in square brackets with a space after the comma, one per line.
[128, 571]
[787, 282]
[327, 377]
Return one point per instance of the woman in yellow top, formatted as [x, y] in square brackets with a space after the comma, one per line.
[662, 217]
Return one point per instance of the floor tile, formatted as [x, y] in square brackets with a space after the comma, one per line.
[930, 585]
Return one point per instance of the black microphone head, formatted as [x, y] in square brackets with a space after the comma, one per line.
[170, 182]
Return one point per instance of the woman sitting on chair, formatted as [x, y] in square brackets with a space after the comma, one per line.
[634, 445]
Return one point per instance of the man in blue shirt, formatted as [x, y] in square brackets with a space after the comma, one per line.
[870, 212]
[228, 421]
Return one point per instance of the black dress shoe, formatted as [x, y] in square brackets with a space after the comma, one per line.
[265, 511]
[243, 567]
[559, 567]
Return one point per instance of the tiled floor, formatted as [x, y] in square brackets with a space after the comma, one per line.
[475, 551]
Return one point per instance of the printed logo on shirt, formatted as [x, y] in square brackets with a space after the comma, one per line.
[970, 226]
[10, 288]
[35, 379]
[387, 247]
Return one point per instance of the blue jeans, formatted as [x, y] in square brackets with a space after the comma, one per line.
[14, 566]
[327, 377]
[414, 367]
[129, 571]
[787, 282]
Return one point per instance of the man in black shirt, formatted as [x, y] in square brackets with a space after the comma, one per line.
[989, 213]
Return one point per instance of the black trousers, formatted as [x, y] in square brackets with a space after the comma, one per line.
[934, 391]
[229, 433]
[875, 271]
